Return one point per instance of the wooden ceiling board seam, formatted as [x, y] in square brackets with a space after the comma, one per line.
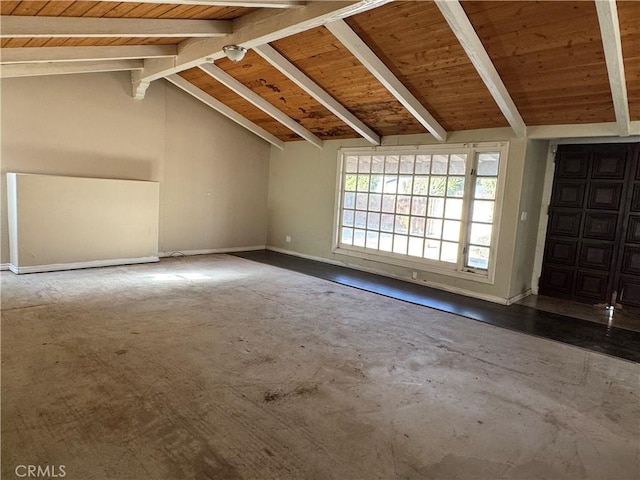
[274, 86]
[260, 102]
[516, 15]
[187, 11]
[237, 103]
[309, 86]
[350, 93]
[117, 10]
[176, 11]
[54, 9]
[6, 8]
[140, 11]
[531, 63]
[565, 96]
[36, 42]
[468, 38]
[17, 42]
[28, 8]
[85, 9]
[158, 11]
[203, 12]
[429, 38]
[384, 75]
[523, 68]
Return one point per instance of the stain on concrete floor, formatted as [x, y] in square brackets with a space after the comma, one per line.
[249, 371]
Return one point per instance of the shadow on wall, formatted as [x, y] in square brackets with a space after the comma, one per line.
[79, 164]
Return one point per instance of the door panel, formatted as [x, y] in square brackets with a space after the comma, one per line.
[630, 291]
[631, 261]
[570, 194]
[633, 235]
[592, 285]
[558, 279]
[562, 251]
[635, 202]
[629, 277]
[574, 164]
[601, 226]
[592, 251]
[605, 196]
[565, 223]
[596, 256]
[608, 166]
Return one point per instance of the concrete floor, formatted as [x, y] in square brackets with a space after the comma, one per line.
[216, 367]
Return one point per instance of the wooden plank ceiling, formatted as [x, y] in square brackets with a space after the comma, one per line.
[549, 56]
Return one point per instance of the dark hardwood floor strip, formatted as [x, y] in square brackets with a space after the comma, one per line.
[617, 342]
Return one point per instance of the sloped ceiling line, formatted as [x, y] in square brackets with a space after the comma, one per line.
[314, 90]
[80, 27]
[459, 23]
[228, 81]
[378, 69]
[212, 102]
[612, 43]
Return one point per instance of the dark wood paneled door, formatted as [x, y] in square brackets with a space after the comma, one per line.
[592, 251]
[628, 280]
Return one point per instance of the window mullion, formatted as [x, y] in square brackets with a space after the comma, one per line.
[469, 188]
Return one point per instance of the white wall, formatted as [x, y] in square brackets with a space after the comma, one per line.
[530, 203]
[213, 174]
[302, 183]
[56, 223]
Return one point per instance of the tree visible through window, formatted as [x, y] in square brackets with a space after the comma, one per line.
[431, 207]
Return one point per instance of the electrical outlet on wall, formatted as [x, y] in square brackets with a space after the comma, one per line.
[287, 239]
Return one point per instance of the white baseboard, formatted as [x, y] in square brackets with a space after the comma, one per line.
[188, 253]
[519, 297]
[4, 266]
[78, 265]
[426, 283]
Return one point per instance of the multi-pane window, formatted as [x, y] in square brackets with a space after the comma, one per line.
[430, 206]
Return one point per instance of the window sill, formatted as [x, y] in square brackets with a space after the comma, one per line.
[418, 264]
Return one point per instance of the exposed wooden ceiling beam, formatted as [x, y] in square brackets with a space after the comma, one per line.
[214, 3]
[251, 30]
[378, 69]
[457, 19]
[255, 99]
[70, 54]
[312, 88]
[220, 107]
[610, 32]
[77, 27]
[66, 68]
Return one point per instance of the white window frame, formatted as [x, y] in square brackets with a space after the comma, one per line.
[421, 264]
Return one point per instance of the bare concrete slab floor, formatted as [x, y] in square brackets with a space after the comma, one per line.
[216, 367]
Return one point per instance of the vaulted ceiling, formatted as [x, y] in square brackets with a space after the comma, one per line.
[318, 70]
